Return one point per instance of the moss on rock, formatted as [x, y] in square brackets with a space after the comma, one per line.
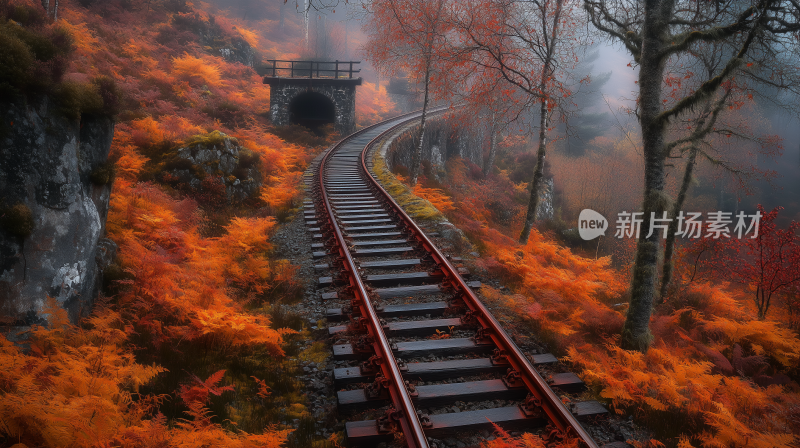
[211, 139]
[416, 207]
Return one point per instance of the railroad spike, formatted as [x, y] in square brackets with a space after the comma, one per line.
[363, 344]
[389, 421]
[553, 436]
[424, 419]
[532, 407]
[483, 335]
[357, 326]
[499, 357]
[513, 379]
[378, 389]
[372, 365]
[470, 318]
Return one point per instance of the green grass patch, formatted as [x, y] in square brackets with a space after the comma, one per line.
[416, 207]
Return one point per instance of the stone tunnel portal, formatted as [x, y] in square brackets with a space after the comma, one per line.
[312, 110]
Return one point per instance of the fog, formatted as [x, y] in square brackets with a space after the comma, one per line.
[336, 33]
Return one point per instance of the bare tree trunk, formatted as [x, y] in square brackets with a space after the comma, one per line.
[666, 276]
[538, 174]
[487, 167]
[416, 157]
[306, 24]
[281, 22]
[55, 12]
[636, 330]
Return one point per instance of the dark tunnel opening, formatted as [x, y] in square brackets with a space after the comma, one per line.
[312, 110]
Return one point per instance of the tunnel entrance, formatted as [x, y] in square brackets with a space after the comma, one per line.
[312, 110]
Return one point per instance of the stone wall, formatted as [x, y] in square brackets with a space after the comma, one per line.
[443, 140]
[341, 93]
[447, 138]
[53, 169]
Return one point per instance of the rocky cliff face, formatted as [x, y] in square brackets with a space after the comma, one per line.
[54, 189]
[213, 39]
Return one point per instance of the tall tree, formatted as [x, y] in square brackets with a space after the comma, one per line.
[410, 36]
[529, 44]
[706, 126]
[660, 35]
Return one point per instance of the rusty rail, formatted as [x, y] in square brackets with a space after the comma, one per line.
[542, 395]
[542, 401]
[406, 416]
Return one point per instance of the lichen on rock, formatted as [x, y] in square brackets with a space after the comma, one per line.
[54, 211]
[217, 156]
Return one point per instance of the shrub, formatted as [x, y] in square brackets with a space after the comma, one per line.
[197, 70]
[103, 174]
[303, 136]
[248, 159]
[23, 13]
[75, 98]
[110, 93]
[31, 58]
[15, 60]
[17, 220]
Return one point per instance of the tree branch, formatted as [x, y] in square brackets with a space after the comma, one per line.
[715, 34]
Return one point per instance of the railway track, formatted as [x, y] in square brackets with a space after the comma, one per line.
[416, 337]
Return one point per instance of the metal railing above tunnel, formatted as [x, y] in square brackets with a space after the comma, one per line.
[312, 69]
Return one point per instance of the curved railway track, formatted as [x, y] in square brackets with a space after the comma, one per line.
[397, 295]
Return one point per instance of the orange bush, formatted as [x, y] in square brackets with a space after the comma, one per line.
[527, 440]
[78, 387]
[197, 70]
[436, 197]
[373, 104]
[182, 283]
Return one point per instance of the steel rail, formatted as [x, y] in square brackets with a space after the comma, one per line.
[544, 397]
[408, 419]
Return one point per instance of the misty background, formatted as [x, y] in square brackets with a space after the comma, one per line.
[602, 108]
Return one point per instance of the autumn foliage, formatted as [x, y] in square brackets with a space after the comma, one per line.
[716, 375]
[79, 387]
[373, 104]
[186, 326]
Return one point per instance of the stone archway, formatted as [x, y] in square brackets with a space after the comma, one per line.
[294, 100]
[312, 110]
